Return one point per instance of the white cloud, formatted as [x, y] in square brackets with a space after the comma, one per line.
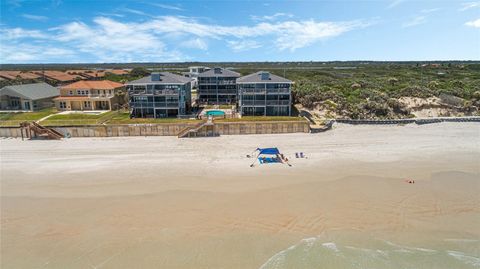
[415, 21]
[287, 35]
[134, 11]
[395, 3]
[171, 7]
[111, 40]
[34, 17]
[161, 38]
[475, 23]
[243, 45]
[467, 6]
[20, 33]
[195, 43]
[18, 53]
[271, 17]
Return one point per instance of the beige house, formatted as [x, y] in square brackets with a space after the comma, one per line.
[90, 95]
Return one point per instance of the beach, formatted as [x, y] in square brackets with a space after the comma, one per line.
[164, 202]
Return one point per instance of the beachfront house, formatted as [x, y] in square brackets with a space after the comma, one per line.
[160, 95]
[264, 94]
[27, 97]
[90, 95]
[217, 86]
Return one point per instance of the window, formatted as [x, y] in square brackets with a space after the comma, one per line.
[62, 105]
[70, 93]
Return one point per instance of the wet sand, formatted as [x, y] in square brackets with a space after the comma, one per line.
[163, 202]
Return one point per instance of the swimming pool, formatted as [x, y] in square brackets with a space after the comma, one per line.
[215, 113]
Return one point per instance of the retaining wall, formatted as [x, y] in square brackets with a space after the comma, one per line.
[408, 121]
[222, 128]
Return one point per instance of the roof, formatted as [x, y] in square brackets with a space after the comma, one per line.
[93, 85]
[222, 73]
[165, 78]
[14, 74]
[32, 91]
[257, 78]
[57, 75]
[117, 71]
[87, 73]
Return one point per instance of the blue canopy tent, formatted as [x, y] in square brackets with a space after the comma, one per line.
[277, 158]
[269, 151]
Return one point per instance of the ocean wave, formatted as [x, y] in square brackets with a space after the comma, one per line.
[323, 252]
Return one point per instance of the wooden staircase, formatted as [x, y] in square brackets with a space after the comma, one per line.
[192, 131]
[34, 129]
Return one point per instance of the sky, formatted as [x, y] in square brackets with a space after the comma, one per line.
[101, 31]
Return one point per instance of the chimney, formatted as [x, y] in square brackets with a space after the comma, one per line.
[155, 76]
[265, 75]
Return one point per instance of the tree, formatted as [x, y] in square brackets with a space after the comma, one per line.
[433, 85]
[139, 72]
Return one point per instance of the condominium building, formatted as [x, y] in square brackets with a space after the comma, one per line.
[90, 95]
[193, 73]
[264, 94]
[217, 86]
[160, 95]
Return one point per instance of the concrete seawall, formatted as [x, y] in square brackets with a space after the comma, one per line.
[408, 121]
[221, 128]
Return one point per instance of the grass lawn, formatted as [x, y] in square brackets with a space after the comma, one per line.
[124, 118]
[262, 118]
[78, 119]
[14, 119]
[218, 107]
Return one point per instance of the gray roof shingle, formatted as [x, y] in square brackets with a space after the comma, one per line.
[165, 78]
[222, 72]
[32, 91]
[257, 78]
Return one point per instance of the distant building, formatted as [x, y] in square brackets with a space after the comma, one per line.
[217, 86]
[264, 94]
[12, 75]
[29, 97]
[90, 95]
[193, 73]
[160, 95]
[57, 76]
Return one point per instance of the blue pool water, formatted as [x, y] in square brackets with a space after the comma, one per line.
[215, 113]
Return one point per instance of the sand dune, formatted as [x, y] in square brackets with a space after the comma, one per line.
[163, 202]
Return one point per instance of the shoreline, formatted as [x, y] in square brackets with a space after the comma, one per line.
[190, 203]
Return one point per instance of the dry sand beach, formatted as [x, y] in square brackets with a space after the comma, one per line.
[163, 202]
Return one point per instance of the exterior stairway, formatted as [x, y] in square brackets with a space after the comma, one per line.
[195, 129]
[40, 131]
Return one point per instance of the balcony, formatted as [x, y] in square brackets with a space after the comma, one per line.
[278, 91]
[278, 102]
[154, 104]
[253, 91]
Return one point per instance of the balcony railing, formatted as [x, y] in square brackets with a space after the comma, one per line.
[265, 103]
[253, 91]
[262, 91]
[91, 95]
[154, 92]
[153, 104]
